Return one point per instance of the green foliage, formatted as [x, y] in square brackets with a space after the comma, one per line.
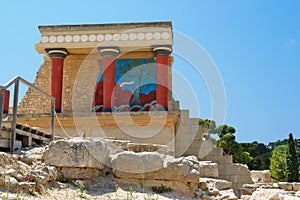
[260, 154]
[209, 124]
[292, 165]
[130, 194]
[223, 130]
[231, 146]
[278, 163]
[62, 178]
[161, 189]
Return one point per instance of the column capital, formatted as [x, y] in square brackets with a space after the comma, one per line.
[162, 50]
[57, 52]
[109, 51]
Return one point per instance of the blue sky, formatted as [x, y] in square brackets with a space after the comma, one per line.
[254, 44]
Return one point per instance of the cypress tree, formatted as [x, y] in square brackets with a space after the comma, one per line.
[292, 166]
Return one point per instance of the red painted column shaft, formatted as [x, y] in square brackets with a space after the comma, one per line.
[162, 76]
[57, 56]
[6, 101]
[109, 55]
[57, 82]
[109, 64]
[162, 80]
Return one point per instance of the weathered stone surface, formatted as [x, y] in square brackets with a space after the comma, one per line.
[247, 189]
[261, 176]
[237, 174]
[202, 185]
[26, 185]
[296, 186]
[273, 194]
[213, 191]
[77, 152]
[26, 159]
[11, 181]
[130, 163]
[216, 183]
[80, 173]
[138, 147]
[227, 194]
[208, 169]
[2, 178]
[179, 173]
[285, 186]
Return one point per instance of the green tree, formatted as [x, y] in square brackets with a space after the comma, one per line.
[211, 126]
[292, 165]
[225, 129]
[260, 154]
[278, 163]
[231, 146]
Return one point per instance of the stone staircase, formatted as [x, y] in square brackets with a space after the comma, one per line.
[25, 136]
[190, 141]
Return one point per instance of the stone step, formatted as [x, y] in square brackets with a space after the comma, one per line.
[226, 159]
[218, 151]
[24, 133]
[5, 143]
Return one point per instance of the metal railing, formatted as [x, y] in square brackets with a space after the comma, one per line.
[16, 81]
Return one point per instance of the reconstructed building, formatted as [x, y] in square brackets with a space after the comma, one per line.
[115, 80]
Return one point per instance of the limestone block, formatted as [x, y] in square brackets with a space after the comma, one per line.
[216, 183]
[154, 166]
[227, 194]
[227, 159]
[270, 194]
[80, 173]
[285, 186]
[234, 169]
[127, 163]
[216, 152]
[296, 186]
[208, 169]
[261, 176]
[247, 189]
[77, 152]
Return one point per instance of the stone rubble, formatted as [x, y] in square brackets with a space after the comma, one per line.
[105, 169]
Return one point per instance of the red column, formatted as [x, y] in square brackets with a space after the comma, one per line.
[6, 102]
[162, 76]
[109, 55]
[57, 56]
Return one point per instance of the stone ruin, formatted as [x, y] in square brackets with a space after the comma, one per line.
[113, 83]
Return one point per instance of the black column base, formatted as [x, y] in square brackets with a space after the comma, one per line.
[107, 110]
[58, 110]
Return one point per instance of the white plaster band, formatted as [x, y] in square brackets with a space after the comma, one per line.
[57, 51]
[162, 48]
[110, 50]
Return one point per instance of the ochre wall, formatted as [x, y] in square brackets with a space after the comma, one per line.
[78, 85]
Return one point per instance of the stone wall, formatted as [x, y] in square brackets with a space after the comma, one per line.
[79, 79]
[33, 101]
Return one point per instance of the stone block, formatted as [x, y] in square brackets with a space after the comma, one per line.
[285, 186]
[80, 173]
[296, 186]
[261, 176]
[216, 152]
[77, 152]
[208, 169]
[220, 159]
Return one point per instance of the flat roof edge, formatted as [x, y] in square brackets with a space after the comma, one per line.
[165, 24]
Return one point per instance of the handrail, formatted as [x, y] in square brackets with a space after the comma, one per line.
[16, 81]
